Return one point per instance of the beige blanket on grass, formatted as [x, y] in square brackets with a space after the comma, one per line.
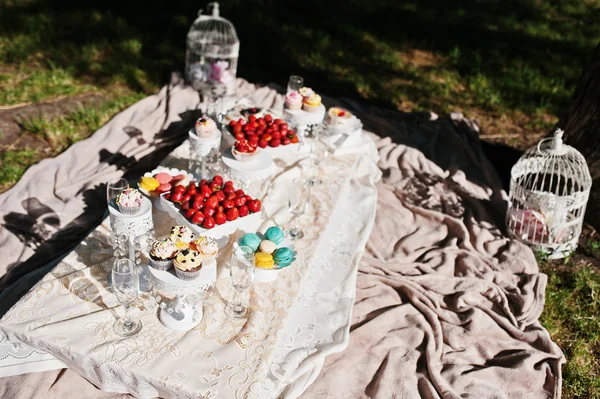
[446, 305]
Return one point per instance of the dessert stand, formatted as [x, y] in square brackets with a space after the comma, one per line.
[301, 119]
[207, 149]
[130, 233]
[183, 312]
[260, 168]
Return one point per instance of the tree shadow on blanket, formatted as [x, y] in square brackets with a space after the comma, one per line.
[39, 226]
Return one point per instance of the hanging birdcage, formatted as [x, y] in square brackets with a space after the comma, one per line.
[549, 190]
[212, 54]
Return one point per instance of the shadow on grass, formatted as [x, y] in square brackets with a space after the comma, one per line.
[518, 54]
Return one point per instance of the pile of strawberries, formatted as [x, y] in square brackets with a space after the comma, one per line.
[212, 203]
[262, 132]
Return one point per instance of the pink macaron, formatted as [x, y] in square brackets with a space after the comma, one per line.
[163, 188]
[163, 178]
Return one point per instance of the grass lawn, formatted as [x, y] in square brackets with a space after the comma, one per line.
[511, 64]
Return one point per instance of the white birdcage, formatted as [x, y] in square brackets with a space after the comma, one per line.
[549, 190]
[212, 54]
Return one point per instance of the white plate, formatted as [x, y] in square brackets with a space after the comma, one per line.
[260, 167]
[172, 171]
[303, 118]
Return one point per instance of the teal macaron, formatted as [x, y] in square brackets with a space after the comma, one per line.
[283, 256]
[251, 240]
[274, 234]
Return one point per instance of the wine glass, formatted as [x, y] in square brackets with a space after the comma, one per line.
[114, 188]
[298, 203]
[295, 83]
[241, 273]
[125, 284]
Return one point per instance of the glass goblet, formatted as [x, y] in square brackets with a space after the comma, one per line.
[241, 274]
[295, 83]
[125, 284]
[114, 188]
[298, 203]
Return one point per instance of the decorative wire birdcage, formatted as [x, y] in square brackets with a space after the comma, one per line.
[549, 190]
[212, 54]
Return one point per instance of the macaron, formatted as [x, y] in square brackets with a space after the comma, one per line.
[163, 178]
[149, 183]
[274, 234]
[163, 188]
[251, 240]
[283, 256]
[264, 261]
[267, 246]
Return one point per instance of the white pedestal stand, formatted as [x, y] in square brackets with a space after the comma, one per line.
[259, 168]
[183, 312]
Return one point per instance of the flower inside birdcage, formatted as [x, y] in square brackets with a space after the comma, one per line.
[212, 53]
[549, 190]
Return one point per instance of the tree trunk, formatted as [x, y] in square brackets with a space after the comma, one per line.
[582, 130]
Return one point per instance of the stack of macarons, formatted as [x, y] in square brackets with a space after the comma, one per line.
[162, 182]
[268, 253]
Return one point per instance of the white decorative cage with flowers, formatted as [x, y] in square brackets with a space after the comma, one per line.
[212, 54]
[549, 190]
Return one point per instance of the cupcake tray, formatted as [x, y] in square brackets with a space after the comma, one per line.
[247, 223]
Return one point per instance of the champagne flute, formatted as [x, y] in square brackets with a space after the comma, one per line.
[295, 83]
[298, 203]
[125, 283]
[241, 273]
[114, 188]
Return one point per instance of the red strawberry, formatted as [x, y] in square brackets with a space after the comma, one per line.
[218, 179]
[286, 141]
[180, 189]
[205, 191]
[197, 205]
[186, 197]
[228, 183]
[228, 204]
[228, 189]
[190, 213]
[268, 118]
[191, 189]
[274, 143]
[252, 118]
[185, 206]
[239, 201]
[220, 218]
[277, 121]
[176, 197]
[208, 211]
[244, 211]
[214, 186]
[240, 193]
[276, 136]
[248, 198]
[212, 202]
[220, 209]
[294, 139]
[167, 196]
[209, 223]
[262, 144]
[237, 129]
[198, 218]
[283, 126]
[232, 214]
[220, 195]
[230, 196]
[254, 205]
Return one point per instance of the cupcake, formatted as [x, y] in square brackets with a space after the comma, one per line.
[305, 91]
[181, 236]
[311, 103]
[205, 127]
[274, 234]
[188, 264]
[162, 254]
[207, 247]
[337, 115]
[293, 101]
[130, 201]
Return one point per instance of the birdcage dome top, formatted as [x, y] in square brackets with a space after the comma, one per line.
[554, 167]
[212, 31]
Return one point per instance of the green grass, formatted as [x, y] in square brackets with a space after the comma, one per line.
[13, 164]
[571, 316]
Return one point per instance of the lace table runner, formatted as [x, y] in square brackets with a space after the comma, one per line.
[295, 321]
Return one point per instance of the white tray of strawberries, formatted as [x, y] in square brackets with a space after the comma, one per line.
[213, 208]
[269, 133]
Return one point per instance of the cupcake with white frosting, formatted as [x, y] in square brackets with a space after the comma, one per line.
[130, 201]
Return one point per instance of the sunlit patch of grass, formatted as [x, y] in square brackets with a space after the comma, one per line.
[571, 316]
[13, 164]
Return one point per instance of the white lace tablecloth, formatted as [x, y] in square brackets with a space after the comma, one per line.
[296, 320]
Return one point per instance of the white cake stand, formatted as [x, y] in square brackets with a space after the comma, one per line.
[261, 167]
[301, 118]
[183, 312]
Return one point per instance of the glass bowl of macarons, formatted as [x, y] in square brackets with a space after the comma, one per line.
[272, 252]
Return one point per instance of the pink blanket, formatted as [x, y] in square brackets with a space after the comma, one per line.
[446, 305]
